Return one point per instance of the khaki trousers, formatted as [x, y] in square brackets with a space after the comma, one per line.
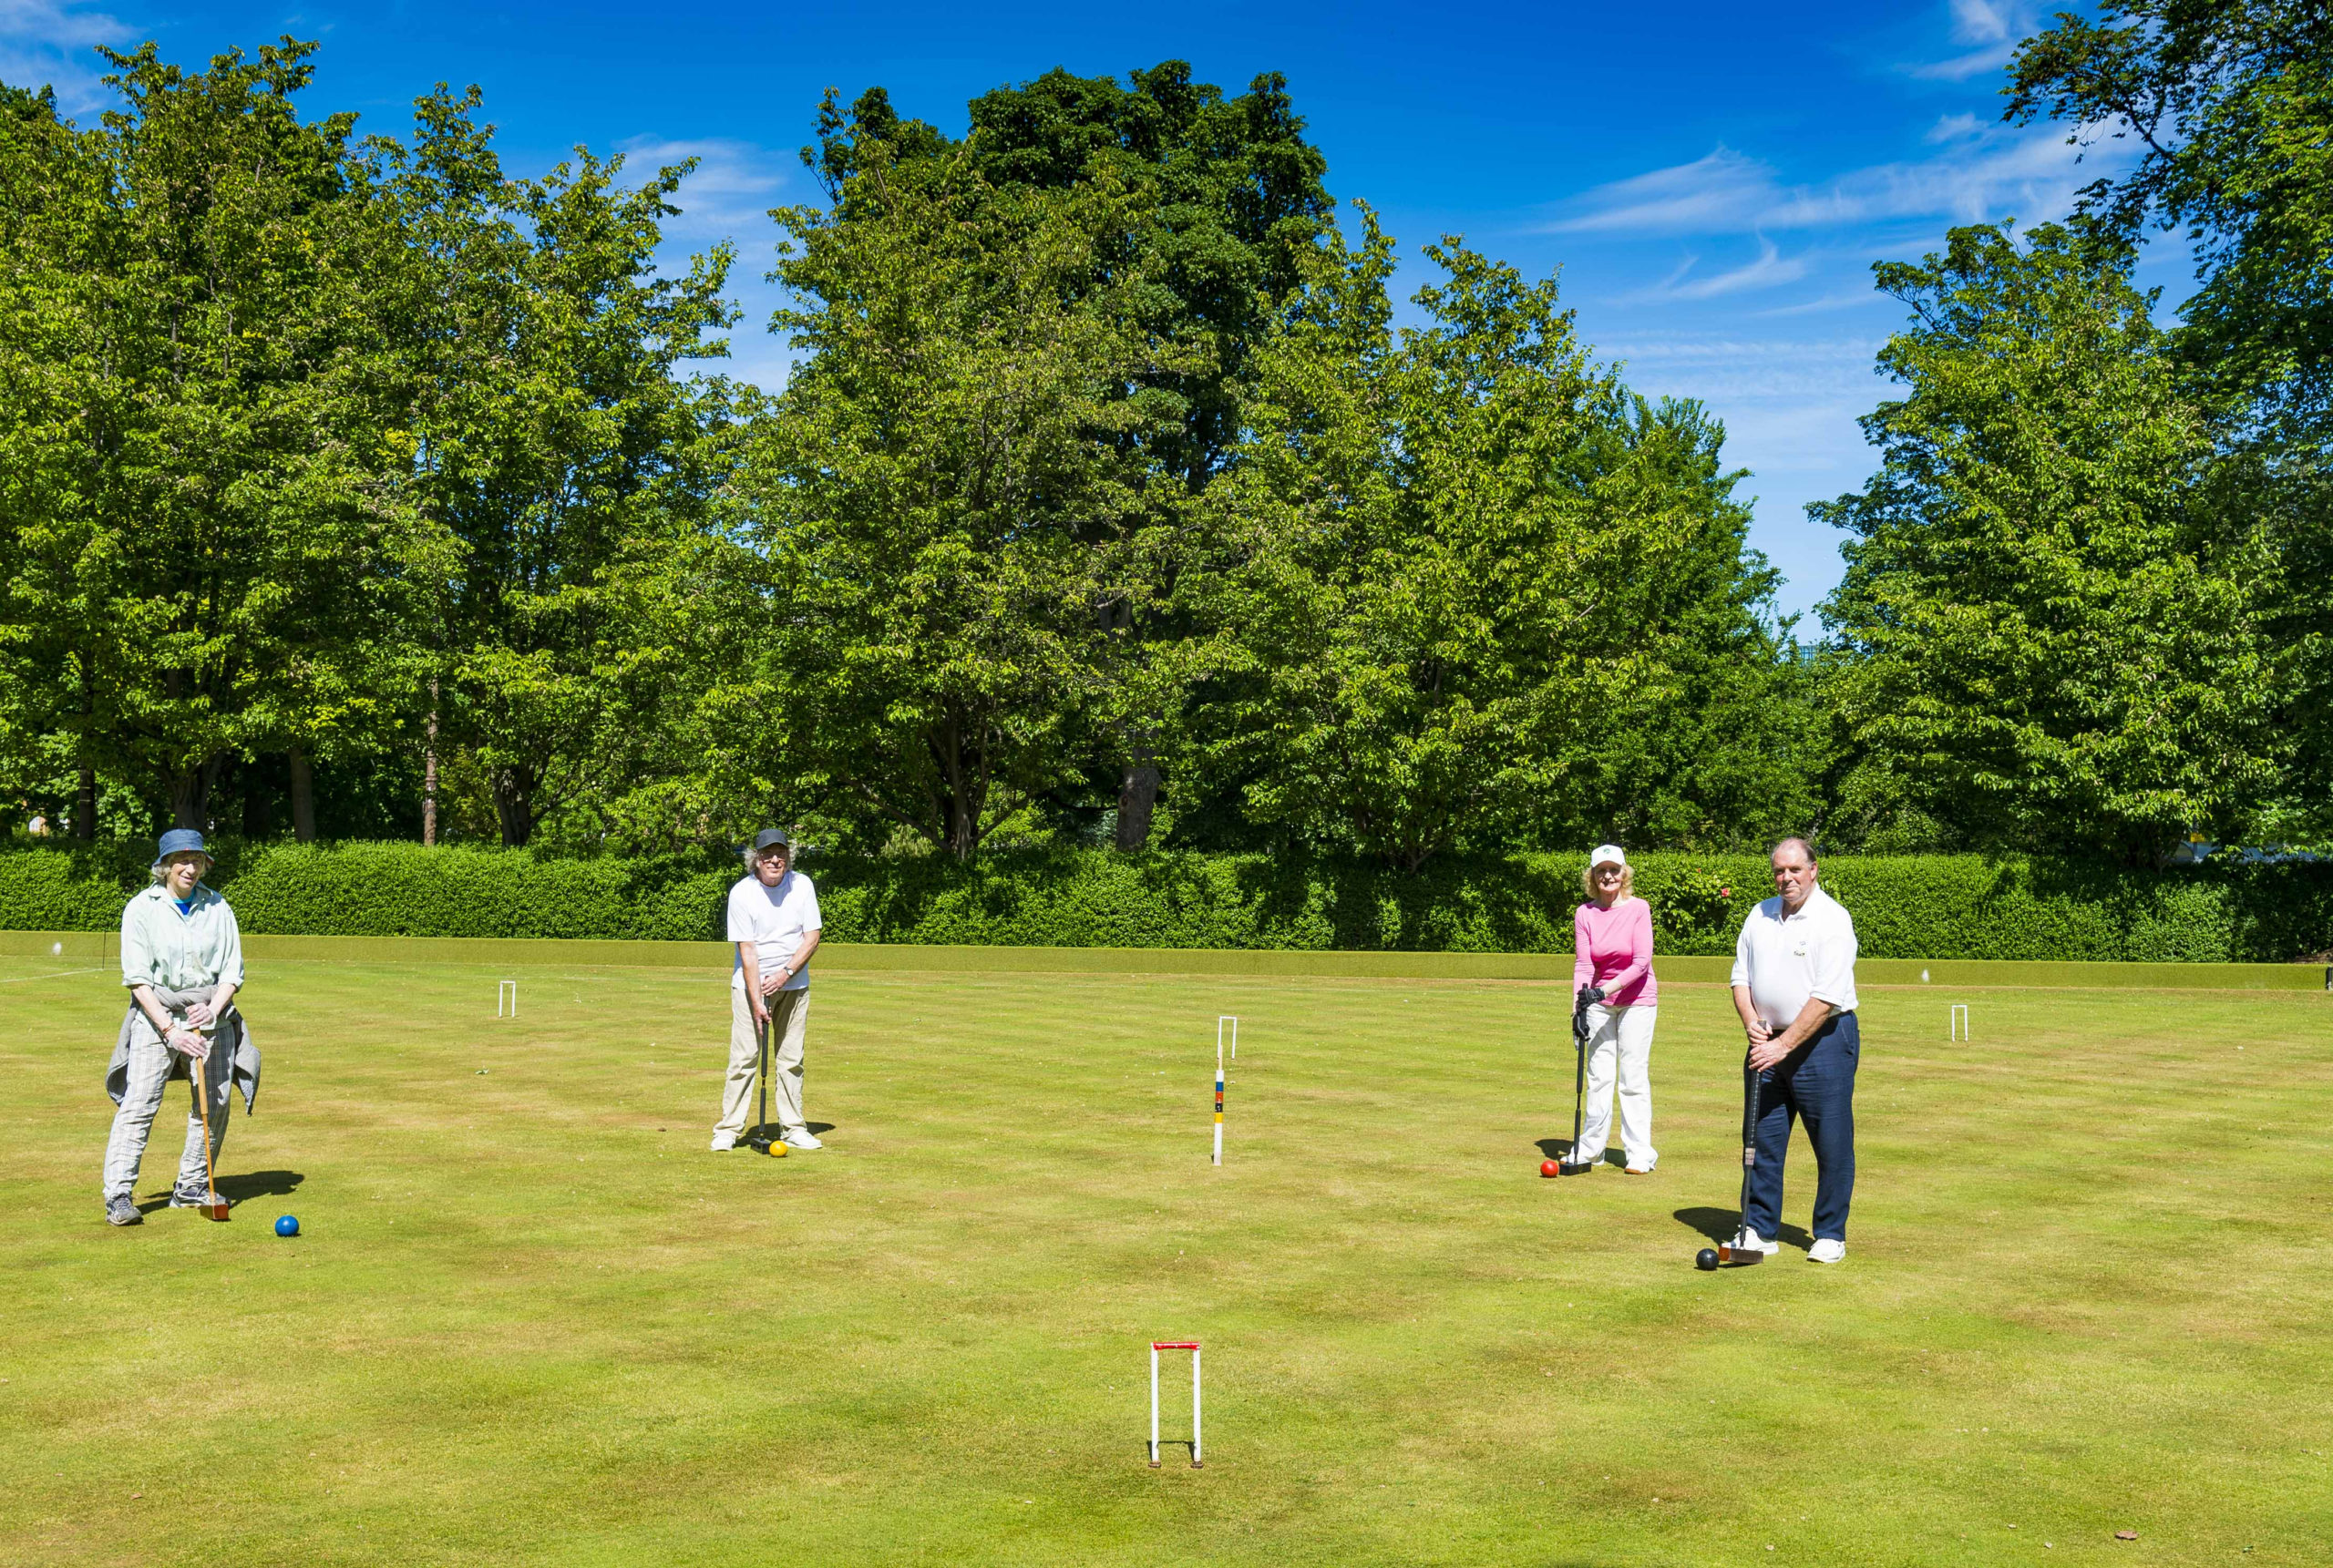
[790, 1019]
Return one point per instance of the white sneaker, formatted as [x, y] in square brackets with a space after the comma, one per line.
[1750, 1241]
[1827, 1250]
[801, 1138]
[722, 1141]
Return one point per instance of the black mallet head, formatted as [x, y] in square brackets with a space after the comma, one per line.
[1706, 1259]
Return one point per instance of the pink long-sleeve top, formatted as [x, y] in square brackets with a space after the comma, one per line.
[1613, 948]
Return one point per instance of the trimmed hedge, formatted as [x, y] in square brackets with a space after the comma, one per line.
[1914, 906]
[1904, 905]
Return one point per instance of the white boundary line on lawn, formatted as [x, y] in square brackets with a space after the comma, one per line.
[27, 979]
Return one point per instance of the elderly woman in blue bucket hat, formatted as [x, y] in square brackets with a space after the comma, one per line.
[182, 961]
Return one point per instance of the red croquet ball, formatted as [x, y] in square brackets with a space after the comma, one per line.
[1550, 1168]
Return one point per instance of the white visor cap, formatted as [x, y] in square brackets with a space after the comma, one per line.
[1607, 855]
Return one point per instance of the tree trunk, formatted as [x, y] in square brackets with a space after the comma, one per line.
[304, 797]
[191, 795]
[84, 807]
[514, 807]
[1137, 796]
[429, 771]
[258, 819]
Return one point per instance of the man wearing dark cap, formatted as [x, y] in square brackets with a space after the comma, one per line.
[774, 920]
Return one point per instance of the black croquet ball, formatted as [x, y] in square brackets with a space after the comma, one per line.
[1706, 1258]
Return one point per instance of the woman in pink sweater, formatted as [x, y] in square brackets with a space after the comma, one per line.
[1612, 967]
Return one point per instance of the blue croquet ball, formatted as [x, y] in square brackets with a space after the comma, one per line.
[287, 1225]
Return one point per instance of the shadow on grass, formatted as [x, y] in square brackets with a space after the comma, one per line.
[252, 1184]
[240, 1189]
[1560, 1149]
[762, 1134]
[1718, 1224]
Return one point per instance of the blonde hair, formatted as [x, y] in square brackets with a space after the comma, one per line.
[1628, 882]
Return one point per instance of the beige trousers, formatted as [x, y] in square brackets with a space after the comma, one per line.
[790, 1017]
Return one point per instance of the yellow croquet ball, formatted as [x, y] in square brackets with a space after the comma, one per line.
[776, 1150]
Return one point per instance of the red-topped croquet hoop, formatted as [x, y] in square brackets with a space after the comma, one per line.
[1193, 1346]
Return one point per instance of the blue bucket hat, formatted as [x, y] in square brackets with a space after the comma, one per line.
[180, 841]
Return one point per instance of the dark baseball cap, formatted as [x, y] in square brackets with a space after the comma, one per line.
[771, 838]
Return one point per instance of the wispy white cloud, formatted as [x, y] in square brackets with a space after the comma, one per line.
[1985, 174]
[1980, 21]
[1993, 28]
[1720, 192]
[1768, 271]
[729, 194]
[53, 42]
[1851, 299]
[727, 197]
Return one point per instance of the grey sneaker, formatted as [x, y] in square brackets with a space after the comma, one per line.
[182, 1199]
[120, 1211]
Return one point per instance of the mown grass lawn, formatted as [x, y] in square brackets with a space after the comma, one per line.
[532, 1320]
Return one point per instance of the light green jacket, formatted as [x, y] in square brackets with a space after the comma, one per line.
[196, 951]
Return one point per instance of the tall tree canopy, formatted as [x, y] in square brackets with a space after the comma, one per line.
[1455, 558]
[1232, 202]
[2230, 104]
[949, 488]
[551, 433]
[2046, 598]
[204, 556]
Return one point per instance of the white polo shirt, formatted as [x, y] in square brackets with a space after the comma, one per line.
[1787, 960]
[775, 920]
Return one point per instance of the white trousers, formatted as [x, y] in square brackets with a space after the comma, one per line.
[1622, 1038]
[149, 1073]
[789, 1021]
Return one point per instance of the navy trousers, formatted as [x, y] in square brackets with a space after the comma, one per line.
[1816, 1084]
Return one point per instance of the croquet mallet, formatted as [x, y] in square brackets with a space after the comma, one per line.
[215, 1210]
[1727, 1252]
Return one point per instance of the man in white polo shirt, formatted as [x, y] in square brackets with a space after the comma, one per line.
[1794, 986]
[774, 920]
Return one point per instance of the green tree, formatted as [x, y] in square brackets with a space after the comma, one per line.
[550, 432]
[204, 557]
[949, 488]
[2230, 103]
[2045, 598]
[1718, 742]
[1232, 201]
[1439, 565]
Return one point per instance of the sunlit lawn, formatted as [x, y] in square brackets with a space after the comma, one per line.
[532, 1320]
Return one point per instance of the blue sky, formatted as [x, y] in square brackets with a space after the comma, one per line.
[1713, 180]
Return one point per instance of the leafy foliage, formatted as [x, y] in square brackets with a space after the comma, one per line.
[2045, 598]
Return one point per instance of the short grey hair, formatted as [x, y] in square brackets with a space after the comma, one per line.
[1804, 848]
